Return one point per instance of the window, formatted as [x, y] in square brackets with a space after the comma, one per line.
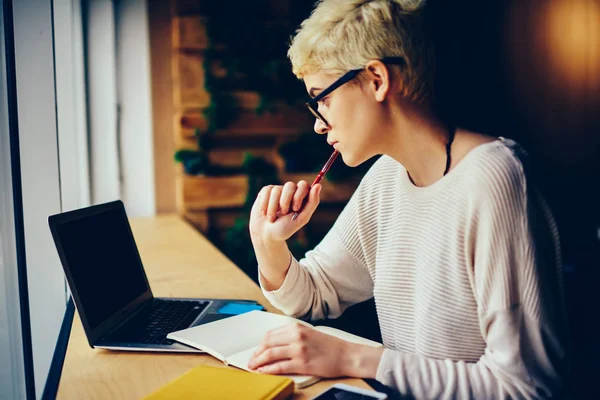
[43, 173]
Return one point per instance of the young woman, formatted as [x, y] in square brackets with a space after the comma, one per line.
[447, 230]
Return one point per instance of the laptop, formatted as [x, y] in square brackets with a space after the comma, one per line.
[110, 288]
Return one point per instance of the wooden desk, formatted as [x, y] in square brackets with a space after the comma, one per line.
[179, 262]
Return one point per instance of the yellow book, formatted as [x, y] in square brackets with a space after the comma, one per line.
[215, 383]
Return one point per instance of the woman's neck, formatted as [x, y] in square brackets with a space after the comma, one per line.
[417, 140]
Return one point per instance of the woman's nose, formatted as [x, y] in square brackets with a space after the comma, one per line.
[320, 126]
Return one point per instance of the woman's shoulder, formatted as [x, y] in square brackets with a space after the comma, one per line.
[500, 155]
[499, 166]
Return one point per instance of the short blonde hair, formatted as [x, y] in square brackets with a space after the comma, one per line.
[341, 35]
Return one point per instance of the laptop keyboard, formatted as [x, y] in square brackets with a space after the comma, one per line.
[159, 319]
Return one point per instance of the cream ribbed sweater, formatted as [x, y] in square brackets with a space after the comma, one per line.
[465, 275]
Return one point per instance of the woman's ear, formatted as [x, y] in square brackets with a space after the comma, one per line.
[378, 76]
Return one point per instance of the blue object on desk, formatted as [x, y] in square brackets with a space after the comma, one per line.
[239, 308]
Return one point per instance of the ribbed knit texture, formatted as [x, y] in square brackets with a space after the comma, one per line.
[465, 275]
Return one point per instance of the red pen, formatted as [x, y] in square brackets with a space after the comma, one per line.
[318, 179]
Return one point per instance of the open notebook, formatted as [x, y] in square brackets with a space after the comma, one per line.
[233, 340]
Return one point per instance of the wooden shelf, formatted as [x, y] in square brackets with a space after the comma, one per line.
[188, 81]
[286, 121]
[235, 157]
[189, 33]
[200, 193]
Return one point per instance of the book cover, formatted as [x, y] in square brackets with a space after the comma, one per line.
[215, 383]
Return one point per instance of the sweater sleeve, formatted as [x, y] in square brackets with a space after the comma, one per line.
[323, 284]
[513, 250]
[335, 275]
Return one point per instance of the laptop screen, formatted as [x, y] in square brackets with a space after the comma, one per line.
[104, 263]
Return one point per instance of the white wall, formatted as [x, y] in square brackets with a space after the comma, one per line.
[102, 100]
[34, 59]
[133, 83]
[118, 73]
[71, 106]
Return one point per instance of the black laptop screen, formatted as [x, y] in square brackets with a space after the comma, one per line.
[104, 263]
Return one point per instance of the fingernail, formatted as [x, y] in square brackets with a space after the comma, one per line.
[272, 218]
[319, 189]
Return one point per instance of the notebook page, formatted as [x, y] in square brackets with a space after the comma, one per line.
[232, 335]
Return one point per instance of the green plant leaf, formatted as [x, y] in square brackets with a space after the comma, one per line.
[185, 154]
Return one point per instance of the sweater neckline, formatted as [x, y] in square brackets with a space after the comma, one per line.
[430, 190]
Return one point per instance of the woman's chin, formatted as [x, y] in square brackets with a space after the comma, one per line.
[349, 159]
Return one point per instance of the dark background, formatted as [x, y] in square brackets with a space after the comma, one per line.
[530, 70]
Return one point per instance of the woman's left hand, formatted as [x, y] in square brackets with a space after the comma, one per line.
[297, 349]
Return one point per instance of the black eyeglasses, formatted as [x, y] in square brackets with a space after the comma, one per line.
[313, 105]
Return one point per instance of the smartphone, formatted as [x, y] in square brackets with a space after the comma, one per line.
[341, 391]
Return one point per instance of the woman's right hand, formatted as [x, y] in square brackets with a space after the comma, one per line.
[271, 214]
